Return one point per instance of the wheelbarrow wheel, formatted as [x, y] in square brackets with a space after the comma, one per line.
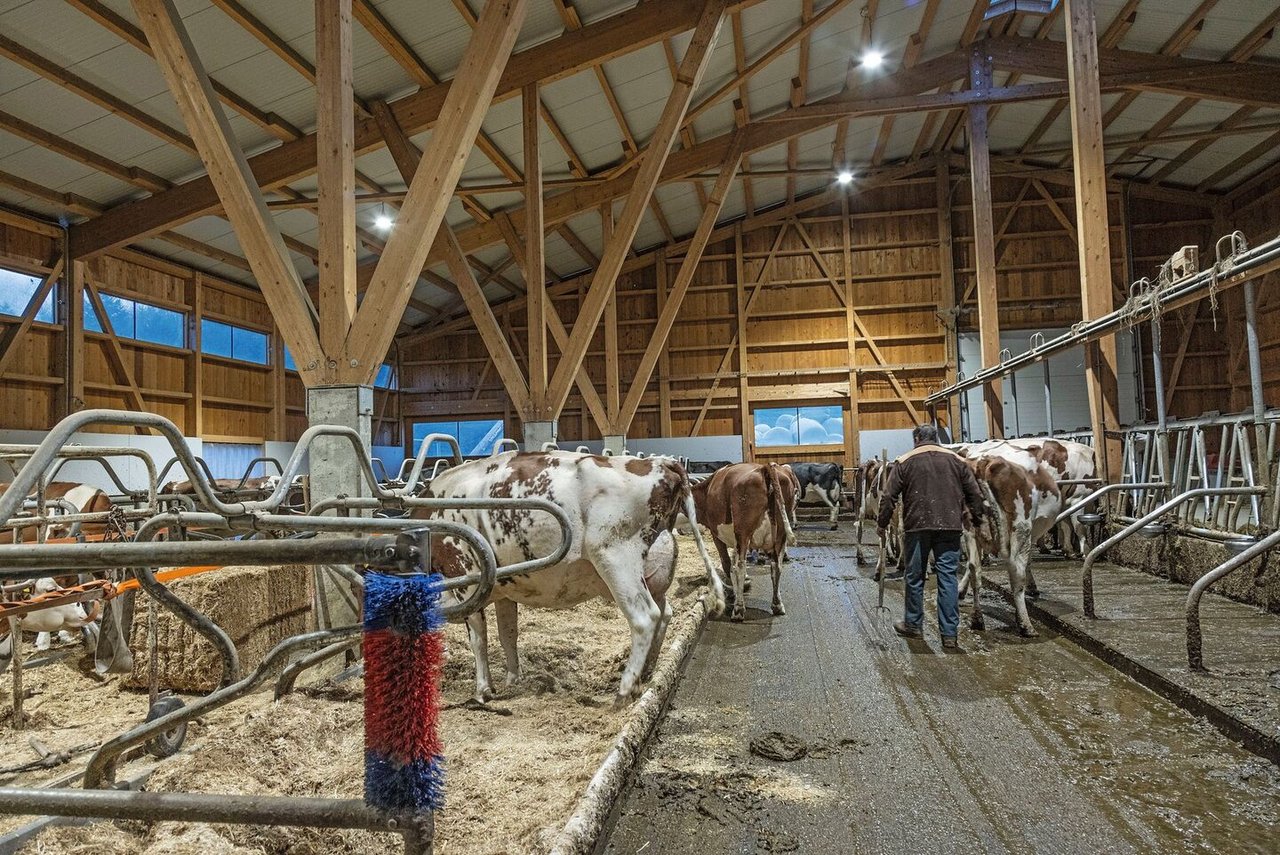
[169, 742]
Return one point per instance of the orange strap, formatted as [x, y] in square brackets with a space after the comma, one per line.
[167, 576]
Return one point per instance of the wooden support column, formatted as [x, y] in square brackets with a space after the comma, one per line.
[73, 340]
[611, 381]
[740, 311]
[853, 427]
[536, 307]
[947, 291]
[237, 188]
[684, 277]
[279, 389]
[431, 190]
[1091, 218]
[984, 244]
[664, 356]
[194, 287]
[335, 159]
[696, 59]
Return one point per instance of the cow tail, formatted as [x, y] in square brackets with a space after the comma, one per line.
[94, 612]
[715, 599]
[777, 509]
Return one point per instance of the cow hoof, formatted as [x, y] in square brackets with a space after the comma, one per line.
[835, 526]
[746, 587]
[621, 702]
[739, 615]
[977, 624]
[778, 609]
[1028, 631]
[1033, 593]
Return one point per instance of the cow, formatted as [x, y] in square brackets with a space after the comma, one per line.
[821, 482]
[621, 510]
[1070, 461]
[790, 492]
[62, 619]
[83, 498]
[745, 505]
[1020, 506]
[873, 478]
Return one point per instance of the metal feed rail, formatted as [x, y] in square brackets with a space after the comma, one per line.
[1086, 581]
[1195, 641]
[1241, 266]
[403, 544]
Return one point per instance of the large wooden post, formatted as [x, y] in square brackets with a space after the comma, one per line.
[947, 285]
[984, 243]
[1091, 224]
[853, 437]
[536, 305]
[336, 179]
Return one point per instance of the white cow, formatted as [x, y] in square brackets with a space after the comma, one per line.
[66, 620]
[622, 511]
[1021, 505]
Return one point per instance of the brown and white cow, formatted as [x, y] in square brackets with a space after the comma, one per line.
[622, 511]
[873, 479]
[745, 505]
[1068, 460]
[1021, 505]
[84, 498]
[63, 620]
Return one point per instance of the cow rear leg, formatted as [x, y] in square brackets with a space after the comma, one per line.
[1033, 591]
[778, 608]
[44, 640]
[478, 638]
[835, 510]
[1019, 561]
[726, 571]
[507, 613]
[973, 575]
[619, 567]
[659, 636]
[739, 585]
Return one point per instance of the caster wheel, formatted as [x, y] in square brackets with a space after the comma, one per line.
[168, 743]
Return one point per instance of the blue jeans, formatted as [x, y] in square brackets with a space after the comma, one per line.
[945, 546]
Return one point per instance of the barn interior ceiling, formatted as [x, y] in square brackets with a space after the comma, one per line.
[823, 93]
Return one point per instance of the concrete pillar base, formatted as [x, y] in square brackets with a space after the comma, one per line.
[335, 471]
[615, 444]
[538, 434]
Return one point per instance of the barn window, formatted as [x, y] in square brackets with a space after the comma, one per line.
[799, 426]
[475, 437]
[230, 459]
[233, 342]
[17, 289]
[137, 320]
[386, 378]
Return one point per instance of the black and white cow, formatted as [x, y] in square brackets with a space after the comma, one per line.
[622, 512]
[821, 482]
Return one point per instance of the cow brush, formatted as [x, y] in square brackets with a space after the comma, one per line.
[403, 663]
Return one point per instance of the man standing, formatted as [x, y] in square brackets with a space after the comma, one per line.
[935, 484]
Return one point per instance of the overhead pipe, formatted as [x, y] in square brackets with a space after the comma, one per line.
[1246, 265]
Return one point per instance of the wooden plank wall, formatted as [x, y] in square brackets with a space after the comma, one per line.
[796, 348]
[233, 401]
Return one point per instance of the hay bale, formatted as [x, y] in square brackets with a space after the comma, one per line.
[256, 606]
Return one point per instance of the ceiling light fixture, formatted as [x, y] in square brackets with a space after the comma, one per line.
[872, 59]
[382, 222]
[844, 177]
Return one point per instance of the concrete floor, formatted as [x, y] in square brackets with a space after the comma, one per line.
[1013, 745]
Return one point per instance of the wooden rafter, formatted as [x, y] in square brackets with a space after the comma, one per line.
[910, 56]
[653, 159]
[432, 188]
[684, 277]
[229, 169]
[536, 307]
[984, 245]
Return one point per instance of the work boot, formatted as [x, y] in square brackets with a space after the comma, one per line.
[950, 642]
[906, 630]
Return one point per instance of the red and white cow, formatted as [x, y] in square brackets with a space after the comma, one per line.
[65, 620]
[622, 511]
[745, 506]
[1069, 461]
[873, 478]
[83, 498]
[1021, 504]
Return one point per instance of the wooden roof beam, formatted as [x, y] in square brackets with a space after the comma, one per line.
[431, 190]
[628, 31]
[126, 30]
[227, 166]
[647, 175]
